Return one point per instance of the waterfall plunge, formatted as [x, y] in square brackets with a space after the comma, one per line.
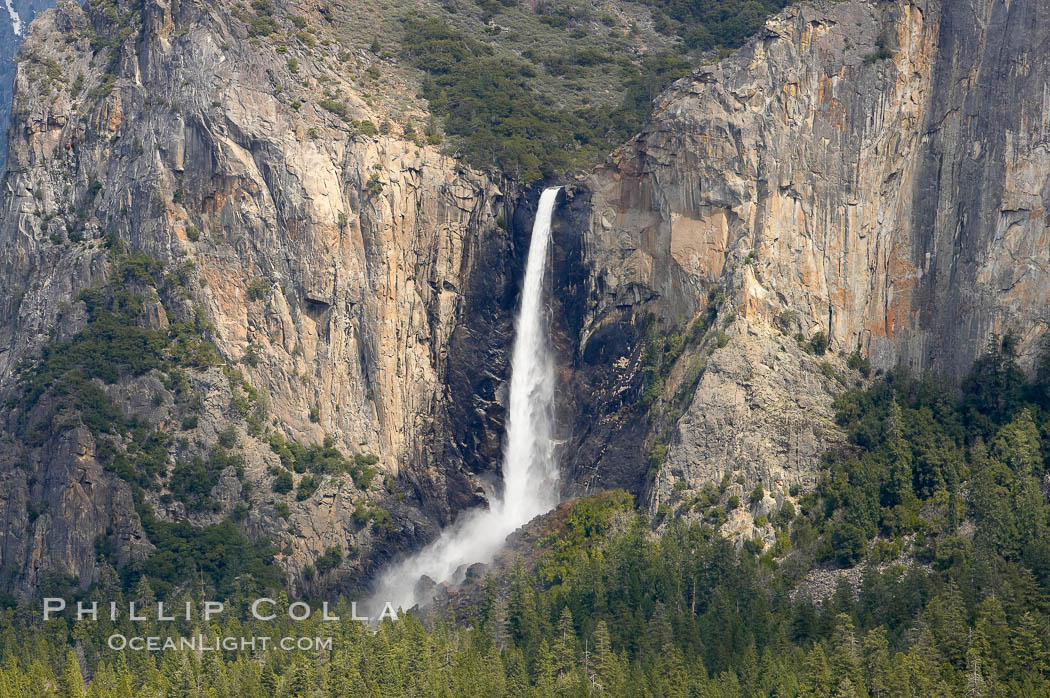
[530, 473]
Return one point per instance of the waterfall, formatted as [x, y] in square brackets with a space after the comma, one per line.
[530, 473]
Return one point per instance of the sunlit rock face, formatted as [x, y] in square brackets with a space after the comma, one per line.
[877, 172]
[872, 173]
[338, 257]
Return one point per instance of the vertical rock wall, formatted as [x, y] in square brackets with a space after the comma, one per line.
[338, 257]
[876, 172]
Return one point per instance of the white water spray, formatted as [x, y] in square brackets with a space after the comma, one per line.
[530, 473]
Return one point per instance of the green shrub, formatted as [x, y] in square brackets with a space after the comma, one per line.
[705, 24]
[657, 455]
[261, 26]
[754, 546]
[110, 347]
[329, 560]
[259, 288]
[192, 482]
[251, 355]
[818, 343]
[365, 512]
[859, 362]
[282, 482]
[374, 185]
[308, 485]
[848, 543]
[489, 104]
[831, 374]
[228, 438]
[882, 50]
[785, 515]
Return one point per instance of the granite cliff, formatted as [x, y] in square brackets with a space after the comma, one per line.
[19, 13]
[328, 259]
[869, 175]
[864, 183]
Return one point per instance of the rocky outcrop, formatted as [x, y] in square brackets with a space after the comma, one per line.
[877, 172]
[54, 516]
[14, 20]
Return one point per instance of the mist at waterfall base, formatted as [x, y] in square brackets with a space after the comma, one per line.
[530, 473]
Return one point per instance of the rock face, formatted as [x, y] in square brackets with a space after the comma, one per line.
[14, 20]
[337, 257]
[877, 172]
[867, 177]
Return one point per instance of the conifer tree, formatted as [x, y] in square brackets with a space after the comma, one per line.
[876, 662]
[71, 681]
[818, 679]
[899, 490]
[845, 655]
[544, 670]
[608, 667]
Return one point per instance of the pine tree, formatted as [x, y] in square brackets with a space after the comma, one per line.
[976, 686]
[71, 681]
[215, 674]
[517, 674]
[947, 619]
[565, 645]
[899, 490]
[103, 684]
[921, 666]
[433, 132]
[659, 631]
[846, 690]
[144, 597]
[298, 681]
[876, 662]
[817, 681]
[179, 675]
[493, 676]
[270, 681]
[496, 618]
[1028, 645]
[1018, 445]
[608, 668]
[991, 637]
[544, 670]
[845, 658]
[750, 680]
